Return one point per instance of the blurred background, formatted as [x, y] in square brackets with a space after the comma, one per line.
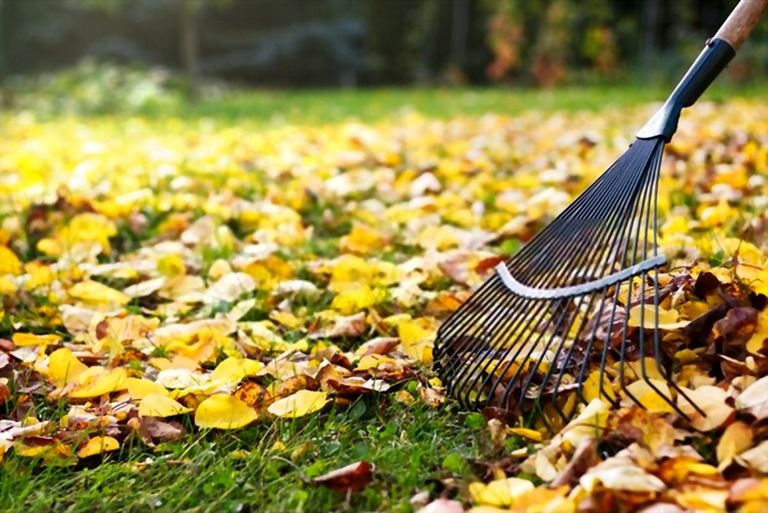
[197, 44]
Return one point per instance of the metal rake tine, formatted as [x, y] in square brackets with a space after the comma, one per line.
[563, 341]
[521, 327]
[632, 256]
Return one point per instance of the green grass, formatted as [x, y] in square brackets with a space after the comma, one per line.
[413, 448]
[327, 106]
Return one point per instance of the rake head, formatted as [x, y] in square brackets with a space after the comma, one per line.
[558, 315]
[577, 308]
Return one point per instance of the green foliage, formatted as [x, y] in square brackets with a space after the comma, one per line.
[96, 88]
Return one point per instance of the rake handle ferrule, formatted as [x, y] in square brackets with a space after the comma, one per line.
[716, 55]
[711, 61]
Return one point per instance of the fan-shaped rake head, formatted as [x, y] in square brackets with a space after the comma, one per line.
[557, 322]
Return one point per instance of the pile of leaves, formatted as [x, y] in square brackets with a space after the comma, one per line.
[160, 277]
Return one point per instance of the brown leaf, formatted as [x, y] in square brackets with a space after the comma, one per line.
[583, 459]
[353, 477]
[153, 430]
[251, 393]
[294, 384]
[699, 329]
[739, 321]
[379, 345]
[705, 284]
[347, 326]
[5, 392]
[6, 345]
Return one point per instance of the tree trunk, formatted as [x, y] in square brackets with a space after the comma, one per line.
[189, 44]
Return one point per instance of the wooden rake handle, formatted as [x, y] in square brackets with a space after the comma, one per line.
[741, 22]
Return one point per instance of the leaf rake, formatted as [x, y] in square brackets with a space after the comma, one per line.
[528, 334]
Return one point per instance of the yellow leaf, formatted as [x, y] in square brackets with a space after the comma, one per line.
[501, 492]
[373, 361]
[171, 265]
[139, 388]
[97, 293]
[298, 404]
[356, 298]
[716, 215]
[7, 285]
[222, 411]
[160, 405]
[64, 367]
[417, 337]
[530, 434]
[40, 275]
[588, 424]
[645, 316]
[644, 393]
[702, 500]
[363, 239]
[103, 383]
[756, 342]
[31, 339]
[287, 319]
[98, 445]
[9, 262]
[233, 369]
[592, 390]
[89, 227]
[737, 438]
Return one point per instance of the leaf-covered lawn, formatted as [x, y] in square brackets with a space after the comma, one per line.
[213, 316]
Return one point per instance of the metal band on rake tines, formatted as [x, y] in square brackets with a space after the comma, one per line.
[575, 290]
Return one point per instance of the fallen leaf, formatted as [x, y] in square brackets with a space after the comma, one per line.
[154, 430]
[647, 316]
[222, 411]
[712, 400]
[104, 382]
[501, 492]
[651, 394]
[621, 476]
[64, 367]
[139, 388]
[755, 458]
[298, 404]
[160, 405]
[96, 293]
[98, 445]
[32, 339]
[737, 438]
[417, 338]
[353, 477]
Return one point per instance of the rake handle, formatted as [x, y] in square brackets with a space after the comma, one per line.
[741, 22]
